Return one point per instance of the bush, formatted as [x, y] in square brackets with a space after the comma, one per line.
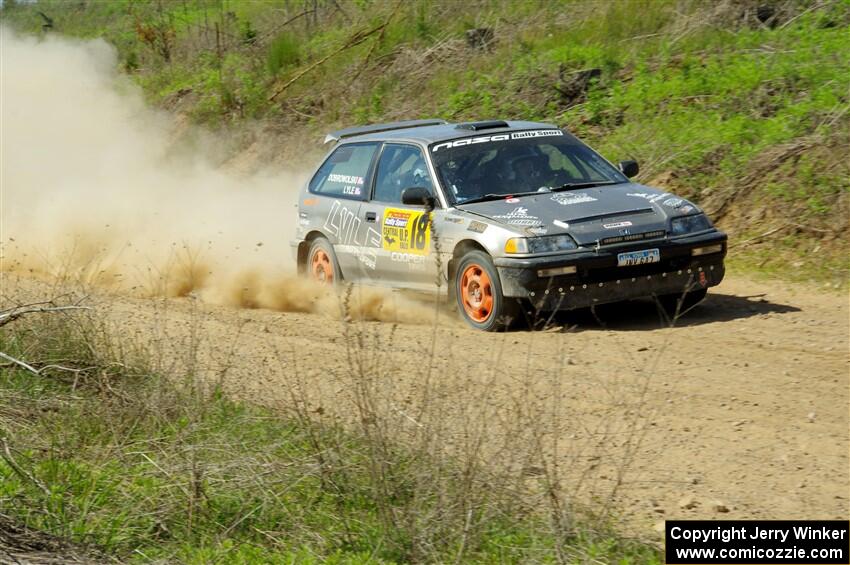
[284, 52]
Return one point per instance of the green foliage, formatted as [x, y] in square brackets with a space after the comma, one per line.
[284, 52]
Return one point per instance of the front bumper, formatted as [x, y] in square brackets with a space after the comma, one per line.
[598, 279]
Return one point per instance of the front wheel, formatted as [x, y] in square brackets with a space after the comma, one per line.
[478, 292]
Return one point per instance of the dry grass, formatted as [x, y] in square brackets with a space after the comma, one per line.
[460, 470]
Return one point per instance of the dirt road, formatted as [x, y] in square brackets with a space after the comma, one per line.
[741, 410]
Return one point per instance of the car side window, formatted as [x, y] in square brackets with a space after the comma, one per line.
[344, 173]
[400, 167]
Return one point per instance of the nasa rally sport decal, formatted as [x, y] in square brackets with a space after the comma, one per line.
[407, 231]
[497, 137]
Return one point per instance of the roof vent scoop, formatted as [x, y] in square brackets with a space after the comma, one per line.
[478, 126]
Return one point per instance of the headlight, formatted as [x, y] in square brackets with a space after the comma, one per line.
[546, 244]
[690, 224]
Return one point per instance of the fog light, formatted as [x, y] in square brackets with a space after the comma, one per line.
[707, 250]
[543, 273]
[516, 245]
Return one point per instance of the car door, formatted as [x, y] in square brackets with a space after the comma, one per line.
[396, 237]
[337, 191]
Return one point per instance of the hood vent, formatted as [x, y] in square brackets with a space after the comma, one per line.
[620, 214]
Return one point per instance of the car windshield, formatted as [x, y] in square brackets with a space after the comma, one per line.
[518, 163]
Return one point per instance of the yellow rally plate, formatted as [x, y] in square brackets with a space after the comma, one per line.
[406, 231]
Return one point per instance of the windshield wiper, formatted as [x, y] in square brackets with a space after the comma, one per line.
[576, 185]
[493, 196]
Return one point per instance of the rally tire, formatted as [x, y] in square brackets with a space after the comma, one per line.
[478, 294]
[322, 266]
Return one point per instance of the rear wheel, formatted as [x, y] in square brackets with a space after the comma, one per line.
[478, 293]
[322, 265]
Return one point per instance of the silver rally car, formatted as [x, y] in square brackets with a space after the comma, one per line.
[504, 216]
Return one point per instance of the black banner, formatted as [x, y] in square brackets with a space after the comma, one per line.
[814, 542]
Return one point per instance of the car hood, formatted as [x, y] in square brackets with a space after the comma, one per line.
[587, 214]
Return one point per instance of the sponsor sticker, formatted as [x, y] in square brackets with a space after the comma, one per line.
[649, 196]
[414, 262]
[368, 259]
[616, 225]
[568, 199]
[518, 212]
[406, 231]
[561, 224]
[519, 216]
[477, 227]
[346, 179]
[498, 137]
[536, 133]
[512, 200]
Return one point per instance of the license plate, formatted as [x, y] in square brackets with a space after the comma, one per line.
[638, 257]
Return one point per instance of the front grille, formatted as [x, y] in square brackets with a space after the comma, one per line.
[632, 237]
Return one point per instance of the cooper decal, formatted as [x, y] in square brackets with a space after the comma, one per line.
[414, 262]
[616, 225]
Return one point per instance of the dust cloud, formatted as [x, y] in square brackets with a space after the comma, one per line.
[97, 187]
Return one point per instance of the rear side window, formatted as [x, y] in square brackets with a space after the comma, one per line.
[344, 173]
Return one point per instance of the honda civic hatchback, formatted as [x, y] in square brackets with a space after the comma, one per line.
[501, 215]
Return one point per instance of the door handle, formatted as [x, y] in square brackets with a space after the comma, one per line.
[371, 216]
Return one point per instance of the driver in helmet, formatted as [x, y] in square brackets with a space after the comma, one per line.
[530, 172]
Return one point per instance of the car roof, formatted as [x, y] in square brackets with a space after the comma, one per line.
[430, 131]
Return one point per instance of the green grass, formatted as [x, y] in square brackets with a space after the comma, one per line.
[145, 468]
[692, 92]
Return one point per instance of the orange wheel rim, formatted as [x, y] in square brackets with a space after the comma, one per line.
[321, 267]
[476, 290]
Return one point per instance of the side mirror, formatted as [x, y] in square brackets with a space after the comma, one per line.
[629, 168]
[417, 196]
